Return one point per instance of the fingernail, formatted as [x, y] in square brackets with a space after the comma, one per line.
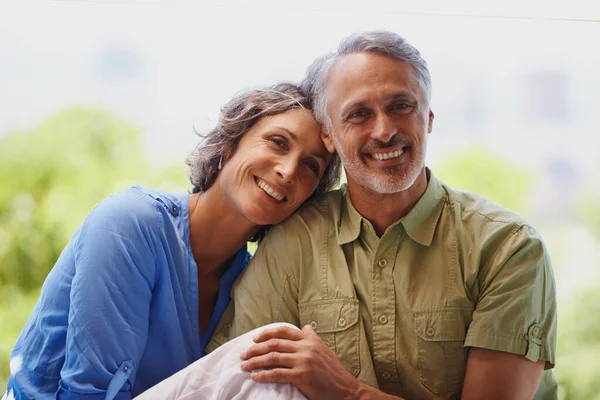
[243, 355]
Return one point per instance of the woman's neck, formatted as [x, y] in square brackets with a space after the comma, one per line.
[217, 231]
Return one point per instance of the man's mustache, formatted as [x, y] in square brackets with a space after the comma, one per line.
[395, 141]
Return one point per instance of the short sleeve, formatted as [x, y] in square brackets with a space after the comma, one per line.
[110, 299]
[516, 308]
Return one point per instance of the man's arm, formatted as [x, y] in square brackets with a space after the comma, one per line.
[512, 336]
[499, 375]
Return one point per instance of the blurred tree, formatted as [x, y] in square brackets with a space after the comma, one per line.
[52, 176]
[578, 345]
[489, 175]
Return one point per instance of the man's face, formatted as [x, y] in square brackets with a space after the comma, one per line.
[379, 121]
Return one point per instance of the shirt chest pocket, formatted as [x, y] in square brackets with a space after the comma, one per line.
[336, 322]
[442, 357]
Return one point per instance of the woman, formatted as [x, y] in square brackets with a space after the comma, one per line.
[138, 291]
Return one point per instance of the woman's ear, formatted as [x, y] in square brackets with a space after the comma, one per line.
[327, 140]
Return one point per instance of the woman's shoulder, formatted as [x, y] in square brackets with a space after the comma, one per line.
[135, 208]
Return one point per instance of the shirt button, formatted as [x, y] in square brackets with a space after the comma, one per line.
[313, 325]
[536, 331]
[385, 375]
[342, 321]
[126, 368]
[383, 319]
[430, 331]
[382, 263]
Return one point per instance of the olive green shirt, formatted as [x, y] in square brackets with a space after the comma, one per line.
[402, 311]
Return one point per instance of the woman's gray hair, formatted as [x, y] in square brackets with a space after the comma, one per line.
[238, 115]
[378, 42]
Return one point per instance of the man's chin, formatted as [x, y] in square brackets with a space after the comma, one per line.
[386, 181]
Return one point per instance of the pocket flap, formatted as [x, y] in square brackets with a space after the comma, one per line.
[326, 316]
[442, 325]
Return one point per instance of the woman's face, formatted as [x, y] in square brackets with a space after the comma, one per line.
[275, 167]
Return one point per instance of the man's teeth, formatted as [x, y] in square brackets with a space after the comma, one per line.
[385, 156]
[270, 191]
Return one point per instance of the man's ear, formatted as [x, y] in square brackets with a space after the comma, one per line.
[326, 138]
[430, 123]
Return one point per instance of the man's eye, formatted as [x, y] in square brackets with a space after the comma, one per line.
[401, 107]
[358, 115]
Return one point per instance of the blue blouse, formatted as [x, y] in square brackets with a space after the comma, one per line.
[118, 313]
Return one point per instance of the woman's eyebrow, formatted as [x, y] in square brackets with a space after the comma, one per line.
[322, 155]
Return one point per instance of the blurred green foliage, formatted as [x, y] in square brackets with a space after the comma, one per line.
[53, 175]
[51, 178]
[497, 179]
[578, 346]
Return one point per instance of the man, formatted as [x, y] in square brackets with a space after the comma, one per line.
[404, 286]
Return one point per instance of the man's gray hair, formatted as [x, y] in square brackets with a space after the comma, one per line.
[378, 42]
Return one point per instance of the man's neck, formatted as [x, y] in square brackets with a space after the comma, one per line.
[382, 210]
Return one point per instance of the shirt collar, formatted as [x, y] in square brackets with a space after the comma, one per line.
[419, 223]
[350, 221]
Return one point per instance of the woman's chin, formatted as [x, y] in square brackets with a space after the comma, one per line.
[264, 218]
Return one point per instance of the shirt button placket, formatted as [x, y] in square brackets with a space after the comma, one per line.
[383, 313]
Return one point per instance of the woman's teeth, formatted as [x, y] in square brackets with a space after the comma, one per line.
[386, 156]
[269, 190]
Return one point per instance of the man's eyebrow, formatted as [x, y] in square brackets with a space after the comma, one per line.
[321, 155]
[403, 95]
[351, 106]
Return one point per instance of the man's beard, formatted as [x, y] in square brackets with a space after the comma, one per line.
[387, 180]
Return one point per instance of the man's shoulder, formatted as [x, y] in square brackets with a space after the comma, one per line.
[474, 208]
[324, 208]
[314, 219]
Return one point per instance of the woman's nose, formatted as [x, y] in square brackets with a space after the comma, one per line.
[286, 169]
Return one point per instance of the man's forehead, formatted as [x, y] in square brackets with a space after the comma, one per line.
[359, 75]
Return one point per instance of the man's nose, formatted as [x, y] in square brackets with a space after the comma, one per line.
[384, 128]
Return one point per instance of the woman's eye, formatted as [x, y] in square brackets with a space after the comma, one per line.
[313, 166]
[278, 141]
